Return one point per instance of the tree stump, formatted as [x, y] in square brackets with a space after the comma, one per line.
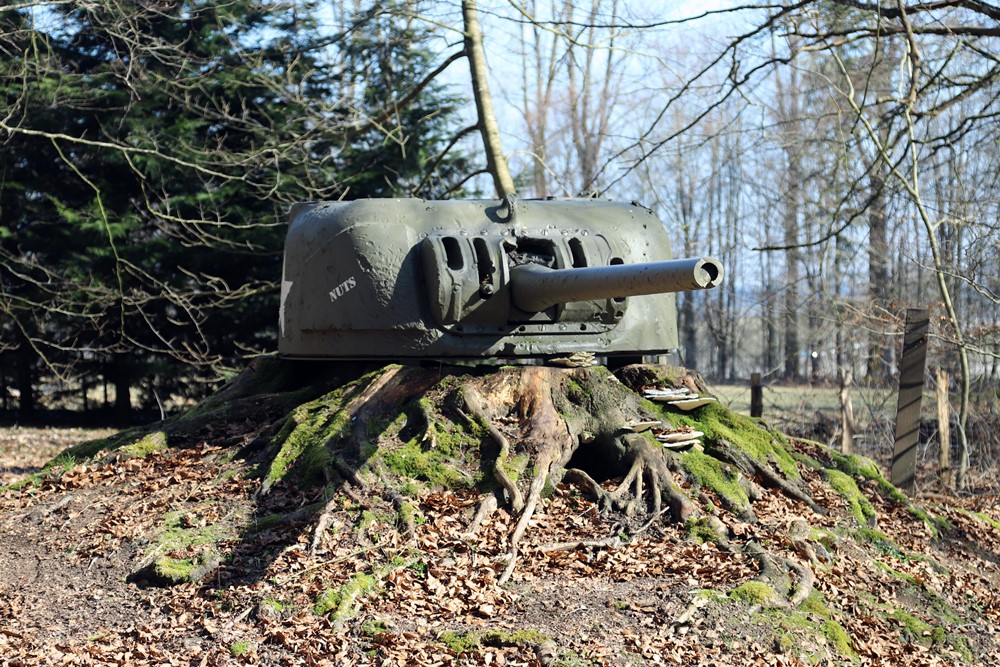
[385, 437]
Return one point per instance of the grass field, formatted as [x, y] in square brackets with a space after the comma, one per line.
[801, 403]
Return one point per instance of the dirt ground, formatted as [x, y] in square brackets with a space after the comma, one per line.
[886, 594]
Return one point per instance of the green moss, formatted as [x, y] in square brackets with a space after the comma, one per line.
[787, 641]
[753, 593]
[327, 602]
[814, 604]
[839, 639]
[460, 642]
[182, 530]
[342, 603]
[185, 570]
[409, 515]
[936, 524]
[312, 426]
[928, 633]
[719, 423]
[187, 532]
[807, 460]
[843, 484]
[393, 428]
[880, 541]
[374, 627]
[961, 646]
[411, 489]
[908, 578]
[275, 605]
[986, 519]
[700, 530]
[710, 473]
[576, 393]
[370, 518]
[857, 466]
[656, 375]
[793, 626]
[437, 455]
[713, 595]
[312, 467]
[152, 442]
[514, 468]
[860, 466]
[240, 649]
[175, 569]
[412, 461]
[931, 603]
[826, 538]
[413, 562]
[917, 630]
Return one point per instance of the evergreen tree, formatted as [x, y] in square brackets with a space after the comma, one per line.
[144, 224]
[151, 153]
[402, 148]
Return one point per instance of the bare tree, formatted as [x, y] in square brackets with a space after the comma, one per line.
[496, 160]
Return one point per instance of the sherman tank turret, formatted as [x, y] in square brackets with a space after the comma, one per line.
[481, 280]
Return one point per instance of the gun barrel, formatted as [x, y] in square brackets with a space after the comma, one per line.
[536, 287]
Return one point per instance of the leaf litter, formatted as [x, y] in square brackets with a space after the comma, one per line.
[906, 591]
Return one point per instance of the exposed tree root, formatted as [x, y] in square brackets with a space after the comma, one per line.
[473, 402]
[535, 427]
[486, 508]
[806, 579]
[752, 467]
[775, 571]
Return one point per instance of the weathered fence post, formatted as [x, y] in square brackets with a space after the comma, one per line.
[847, 425]
[756, 396]
[944, 427]
[911, 389]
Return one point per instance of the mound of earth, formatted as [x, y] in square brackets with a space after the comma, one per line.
[515, 516]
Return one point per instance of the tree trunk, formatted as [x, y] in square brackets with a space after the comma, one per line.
[879, 354]
[26, 358]
[121, 375]
[791, 310]
[770, 329]
[496, 161]
[788, 100]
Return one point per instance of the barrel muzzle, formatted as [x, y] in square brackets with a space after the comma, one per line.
[535, 287]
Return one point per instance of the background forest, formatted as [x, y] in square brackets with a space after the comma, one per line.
[839, 156]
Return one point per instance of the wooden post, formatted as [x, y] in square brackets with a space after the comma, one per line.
[944, 427]
[911, 389]
[844, 378]
[756, 396]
